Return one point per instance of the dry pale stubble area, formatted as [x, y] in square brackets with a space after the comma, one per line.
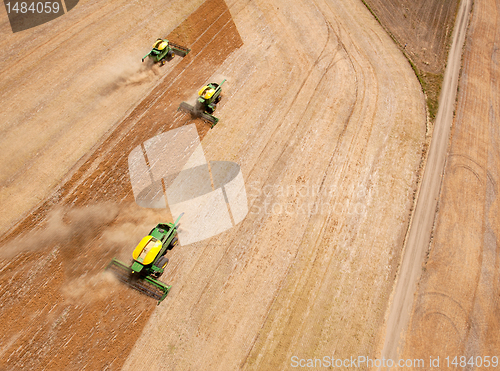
[327, 120]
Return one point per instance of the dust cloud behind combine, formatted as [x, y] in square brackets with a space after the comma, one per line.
[63, 227]
[65, 291]
[129, 73]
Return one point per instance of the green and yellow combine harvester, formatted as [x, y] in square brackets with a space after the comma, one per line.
[208, 97]
[164, 50]
[148, 262]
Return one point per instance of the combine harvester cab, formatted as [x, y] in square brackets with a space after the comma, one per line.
[149, 262]
[163, 50]
[208, 97]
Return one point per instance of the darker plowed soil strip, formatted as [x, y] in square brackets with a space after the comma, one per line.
[423, 31]
[423, 28]
[70, 319]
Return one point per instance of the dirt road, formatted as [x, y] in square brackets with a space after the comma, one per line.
[419, 235]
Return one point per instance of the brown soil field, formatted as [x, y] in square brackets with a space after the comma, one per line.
[321, 111]
[456, 312]
[422, 29]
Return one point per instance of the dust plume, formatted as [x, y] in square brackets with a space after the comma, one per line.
[193, 99]
[132, 224]
[63, 227]
[119, 226]
[88, 288]
[129, 71]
